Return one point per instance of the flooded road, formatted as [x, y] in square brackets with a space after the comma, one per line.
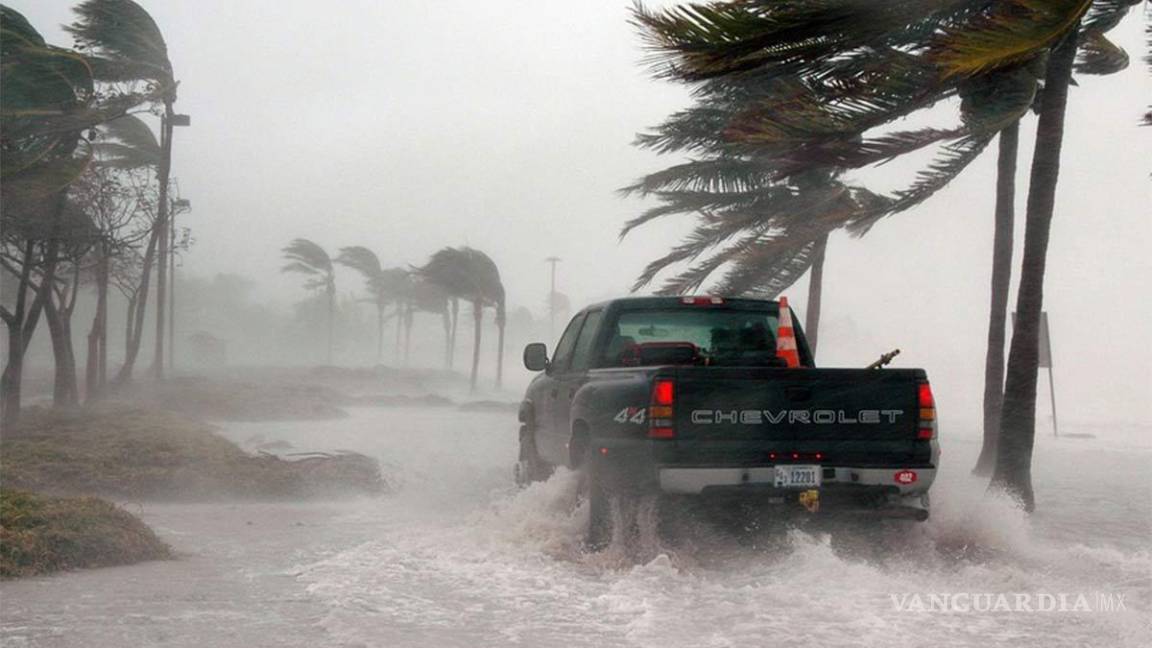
[457, 557]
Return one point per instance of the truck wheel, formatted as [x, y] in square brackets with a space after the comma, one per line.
[598, 534]
[530, 468]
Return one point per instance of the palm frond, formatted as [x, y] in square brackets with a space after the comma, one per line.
[1003, 34]
[1097, 55]
[304, 253]
[764, 270]
[362, 260]
[705, 40]
[122, 32]
[955, 157]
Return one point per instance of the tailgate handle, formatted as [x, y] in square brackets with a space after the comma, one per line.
[797, 394]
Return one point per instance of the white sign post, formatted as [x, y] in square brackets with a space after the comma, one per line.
[1046, 361]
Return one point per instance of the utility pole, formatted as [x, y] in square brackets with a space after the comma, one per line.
[168, 121]
[179, 206]
[552, 260]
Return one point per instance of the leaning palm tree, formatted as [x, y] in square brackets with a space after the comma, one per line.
[842, 48]
[1096, 56]
[469, 274]
[310, 259]
[125, 45]
[425, 296]
[365, 261]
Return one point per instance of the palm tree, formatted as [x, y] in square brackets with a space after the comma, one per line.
[1013, 469]
[425, 296]
[365, 261]
[1096, 56]
[125, 44]
[979, 45]
[471, 275]
[310, 259]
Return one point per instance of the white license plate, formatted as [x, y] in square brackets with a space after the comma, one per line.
[797, 476]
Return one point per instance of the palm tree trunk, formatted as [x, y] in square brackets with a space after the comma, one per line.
[998, 309]
[452, 335]
[1013, 472]
[500, 321]
[163, 174]
[477, 316]
[399, 330]
[409, 315]
[379, 332]
[446, 318]
[331, 320]
[815, 293]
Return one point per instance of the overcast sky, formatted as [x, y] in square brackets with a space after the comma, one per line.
[406, 126]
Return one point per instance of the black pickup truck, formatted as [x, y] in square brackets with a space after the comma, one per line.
[686, 395]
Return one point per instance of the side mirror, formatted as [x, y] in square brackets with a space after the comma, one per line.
[536, 356]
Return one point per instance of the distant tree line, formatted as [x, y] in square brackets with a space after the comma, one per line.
[450, 276]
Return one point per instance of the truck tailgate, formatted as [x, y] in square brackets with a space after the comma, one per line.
[740, 415]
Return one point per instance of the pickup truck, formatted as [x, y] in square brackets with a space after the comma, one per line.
[686, 396]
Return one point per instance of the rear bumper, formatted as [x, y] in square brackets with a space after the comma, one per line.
[696, 480]
[869, 492]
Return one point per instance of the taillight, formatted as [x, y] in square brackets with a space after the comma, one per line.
[927, 419]
[661, 410]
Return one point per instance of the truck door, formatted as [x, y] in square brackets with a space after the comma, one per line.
[548, 441]
[573, 376]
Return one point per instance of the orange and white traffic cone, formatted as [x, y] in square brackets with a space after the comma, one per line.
[786, 337]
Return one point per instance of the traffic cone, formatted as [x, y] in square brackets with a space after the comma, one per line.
[786, 337]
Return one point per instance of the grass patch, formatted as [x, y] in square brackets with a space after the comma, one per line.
[41, 534]
[132, 453]
[242, 400]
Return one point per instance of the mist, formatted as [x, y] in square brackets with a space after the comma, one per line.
[509, 128]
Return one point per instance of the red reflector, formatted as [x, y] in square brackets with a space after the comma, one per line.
[925, 434]
[603, 451]
[663, 392]
[662, 433]
[905, 477]
[926, 398]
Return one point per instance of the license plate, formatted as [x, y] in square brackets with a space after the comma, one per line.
[797, 476]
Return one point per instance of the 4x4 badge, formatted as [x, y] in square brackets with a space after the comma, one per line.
[630, 415]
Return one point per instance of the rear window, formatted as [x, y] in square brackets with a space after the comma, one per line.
[706, 336]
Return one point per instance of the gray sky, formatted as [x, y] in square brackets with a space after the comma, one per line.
[407, 126]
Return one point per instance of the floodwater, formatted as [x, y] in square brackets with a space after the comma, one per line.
[455, 556]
